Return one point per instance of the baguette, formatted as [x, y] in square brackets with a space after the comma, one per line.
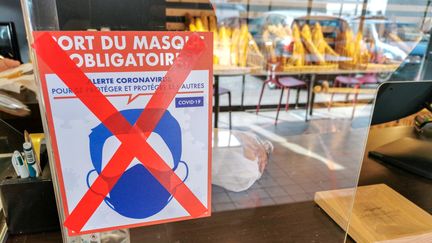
[307, 40]
[205, 22]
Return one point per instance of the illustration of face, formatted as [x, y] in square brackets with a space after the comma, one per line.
[138, 194]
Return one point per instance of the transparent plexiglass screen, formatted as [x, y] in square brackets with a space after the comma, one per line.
[294, 83]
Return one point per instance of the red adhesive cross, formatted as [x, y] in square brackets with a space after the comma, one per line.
[132, 138]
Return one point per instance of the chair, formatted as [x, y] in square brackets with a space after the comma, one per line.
[352, 81]
[223, 91]
[355, 81]
[282, 83]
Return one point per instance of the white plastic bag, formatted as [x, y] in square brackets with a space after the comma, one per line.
[239, 159]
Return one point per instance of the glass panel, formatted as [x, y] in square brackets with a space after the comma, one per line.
[294, 83]
[395, 172]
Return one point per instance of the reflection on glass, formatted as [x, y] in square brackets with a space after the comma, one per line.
[345, 47]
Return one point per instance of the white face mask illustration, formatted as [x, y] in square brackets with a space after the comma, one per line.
[154, 140]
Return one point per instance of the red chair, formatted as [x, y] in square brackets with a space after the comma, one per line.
[282, 83]
[355, 82]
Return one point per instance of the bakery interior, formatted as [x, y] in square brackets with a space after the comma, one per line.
[294, 85]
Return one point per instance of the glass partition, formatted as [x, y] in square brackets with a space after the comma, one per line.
[395, 171]
[293, 86]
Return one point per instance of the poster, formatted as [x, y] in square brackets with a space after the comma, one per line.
[129, 117]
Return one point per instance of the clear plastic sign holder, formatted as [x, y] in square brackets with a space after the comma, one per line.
[42, 16]
[133, 187]
[147, 83]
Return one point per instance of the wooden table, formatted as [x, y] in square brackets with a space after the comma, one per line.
[413, 187]
[227, 71]
[232, 71]
[313, 74]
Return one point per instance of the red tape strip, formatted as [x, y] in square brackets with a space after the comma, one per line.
[133, 138]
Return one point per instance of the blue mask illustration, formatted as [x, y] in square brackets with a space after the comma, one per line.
[137, 194]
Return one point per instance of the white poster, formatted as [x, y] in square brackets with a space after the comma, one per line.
[129, 115]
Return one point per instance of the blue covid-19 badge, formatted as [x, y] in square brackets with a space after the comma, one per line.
[138, 194]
